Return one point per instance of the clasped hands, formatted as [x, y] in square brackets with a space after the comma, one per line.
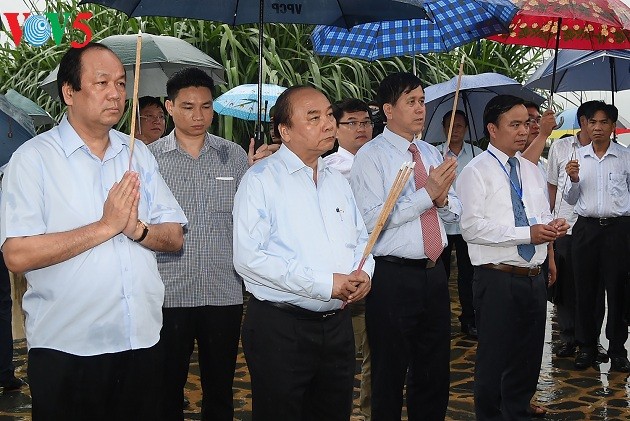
[544, 233]
[440, 180]
[351, 288]
[120, 210]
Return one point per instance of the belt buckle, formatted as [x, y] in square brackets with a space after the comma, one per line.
[604, 222]
[533, 271]
[325, 315]
[430, 264]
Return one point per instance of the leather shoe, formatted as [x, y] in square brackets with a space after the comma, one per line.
[620, 364]
[536, 411]
[469, 329]
[602, 355]
[565, 350]
[584, 359]
[12, 385]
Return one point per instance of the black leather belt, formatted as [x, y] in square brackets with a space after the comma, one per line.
[300, 312]
[423, 263]
[516, 270]
[604, 221]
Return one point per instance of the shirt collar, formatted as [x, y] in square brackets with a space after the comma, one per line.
[69, 140]
[345, 153]
[294, 163]
[208, 142]
[612, 150]
[397, 141]
[502, 157]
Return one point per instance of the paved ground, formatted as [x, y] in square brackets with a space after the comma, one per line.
[567, 393]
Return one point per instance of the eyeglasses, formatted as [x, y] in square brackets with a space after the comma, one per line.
[534, 120]
[153, 117]
[357, 124]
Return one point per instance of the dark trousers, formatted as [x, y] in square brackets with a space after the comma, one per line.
[565, 292]
[409, 331]
[216, 330]
[511, 312]
[301, 368]
[118, 386]
[599, 258]
[464, 276]
[6, 336]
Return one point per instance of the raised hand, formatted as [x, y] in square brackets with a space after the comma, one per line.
[121, 201]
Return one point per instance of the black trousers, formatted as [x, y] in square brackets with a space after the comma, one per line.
[565, 292]
[600, 258]
[464, 276]
[6, 336]
[408, 320]
[300, 368]
[511, 313]
[119, 386]
[216, 329]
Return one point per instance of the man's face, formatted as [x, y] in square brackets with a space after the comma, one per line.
[354, 130]
[534, 124]
[313, 127]
[600, 127]
[101, 100]
[406, 116]
[152, 124]
[191, 111]
[459, 129]
[510, 133]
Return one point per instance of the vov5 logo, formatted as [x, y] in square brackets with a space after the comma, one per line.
[36, 30]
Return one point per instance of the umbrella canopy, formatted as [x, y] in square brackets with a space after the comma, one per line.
[570, 121]
[39, 116]
[592, 25]
[474, 94]
[453, 23]
[576, 70]
[161, 57]
[242, 101]
[16, 127]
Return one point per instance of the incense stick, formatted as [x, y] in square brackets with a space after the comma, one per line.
[134, 99]
[455, 99]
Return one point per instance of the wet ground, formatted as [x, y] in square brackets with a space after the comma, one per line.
[568, 394]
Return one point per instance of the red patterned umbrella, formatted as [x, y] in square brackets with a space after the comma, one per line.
[583, 24]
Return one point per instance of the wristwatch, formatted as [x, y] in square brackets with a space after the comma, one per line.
[145, 231]
[445, 203]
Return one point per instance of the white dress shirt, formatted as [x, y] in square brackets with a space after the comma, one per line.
[375, 168]
[604, 187]
[560, 153]
[291, 235]
[487, 220]
[341, 161]
[468, 152]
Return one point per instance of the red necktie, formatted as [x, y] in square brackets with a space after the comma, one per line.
[429, 219]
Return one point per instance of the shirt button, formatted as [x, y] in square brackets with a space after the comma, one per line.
[120, 239]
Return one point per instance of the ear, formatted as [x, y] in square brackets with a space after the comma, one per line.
[492, 130]
[169, 107]
[67, 92]
[387, 110]
[284, 132]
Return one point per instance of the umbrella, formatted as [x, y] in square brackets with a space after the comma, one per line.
[38, 114]
[16, 127]
[344, 13]
[576, 69]
[242, 101]
[571, 125]
[577, 25]
[453, 23]
[475, 92]
[161, 57]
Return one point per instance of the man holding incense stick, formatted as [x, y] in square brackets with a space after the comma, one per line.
[298, 243]
[85, 231]
[408, 310]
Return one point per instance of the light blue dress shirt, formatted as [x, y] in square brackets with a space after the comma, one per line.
[604, 187]
[291, 235]
[375, 168]
[467, 153]
[106, 299]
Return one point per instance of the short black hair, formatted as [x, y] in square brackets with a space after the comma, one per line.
[610, 110]
[394, 85]
[350, 105]
[187, 78]
[584, 107]
[532, 104]
[70, 67]
[498, 105]
[283, 109]
[446, 119]
[145, 101]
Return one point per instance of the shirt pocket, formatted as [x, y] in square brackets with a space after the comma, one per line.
[617, 185]
[220, 191]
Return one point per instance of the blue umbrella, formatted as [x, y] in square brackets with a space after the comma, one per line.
[584, 71]
[474, 94]
[16, 127]
[569, 120]
[242, 101]
[453, 23]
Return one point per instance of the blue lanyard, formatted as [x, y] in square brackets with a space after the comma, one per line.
[517, 189]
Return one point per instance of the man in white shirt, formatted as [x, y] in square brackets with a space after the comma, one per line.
[354, 129]
[600, 191]
[298, 242]
[507, 223]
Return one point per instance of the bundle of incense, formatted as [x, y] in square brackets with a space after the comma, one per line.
[402, 177]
